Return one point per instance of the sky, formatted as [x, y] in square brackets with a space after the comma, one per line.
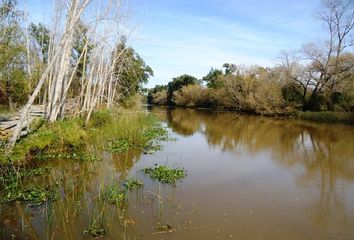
[177, 37]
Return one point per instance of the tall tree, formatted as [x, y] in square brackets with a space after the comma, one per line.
[130, 70]
[211, 78]
[13, 85]
[327, 62]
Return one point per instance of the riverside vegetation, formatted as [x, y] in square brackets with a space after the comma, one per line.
[69, 140]
[317, 78]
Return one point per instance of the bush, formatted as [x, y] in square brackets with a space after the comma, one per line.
[159, 98]
[100, 119]
[192, 96]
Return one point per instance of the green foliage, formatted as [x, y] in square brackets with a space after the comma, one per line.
[66, 135]
[254, 90]
[116, 195]
[165, 174]
[316, 102]
[13, 84]
[41, 35]
[192, 96]
[211, 78]
[157, 95]
[292, 93]
[73, 155]
[230, 68]
[33, 196]
[132, 184]
[177, 83]
[130, 69]
[12, 189]
[95, 231]
[134, 133]
[100, 119]
[163, 227]
[120, 145]
[158, 98]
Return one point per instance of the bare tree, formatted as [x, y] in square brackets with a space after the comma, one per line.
[324, 65]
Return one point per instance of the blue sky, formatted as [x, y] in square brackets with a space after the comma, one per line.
[190, 36]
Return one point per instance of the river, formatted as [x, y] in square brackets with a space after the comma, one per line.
[248, 177]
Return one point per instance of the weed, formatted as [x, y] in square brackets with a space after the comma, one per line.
[116, 195]
[165, 174]
[132, 184]
[77, 155]
[139, 134]
[119, 145]
[95, 231]
[33, 195]
[11, 179]
[163, 227]
[151, 148]
[100, 119]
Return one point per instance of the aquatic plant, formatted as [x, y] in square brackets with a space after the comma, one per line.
[12, 189]
[136, 134]
[33, 195]
[163, 227]
[116, 195]
[132, 184]
[165, 174]
[95, 231]
[119, 145]
[76, 155]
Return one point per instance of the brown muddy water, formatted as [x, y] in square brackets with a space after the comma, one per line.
[247, 178]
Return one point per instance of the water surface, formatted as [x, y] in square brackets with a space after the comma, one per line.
[248, 177]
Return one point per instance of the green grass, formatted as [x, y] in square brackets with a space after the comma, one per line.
[61, 136]
[129, 132]
[12, 189]
[95, 231]
[69, 138]
[132, 184]
[165, 174]
[116, 195]
[327, 117]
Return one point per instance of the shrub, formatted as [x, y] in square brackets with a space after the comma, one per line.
[159, 98]
[192, 96]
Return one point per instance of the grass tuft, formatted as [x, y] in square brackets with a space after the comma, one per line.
[132, 184]
[165, 174]
[116, 195]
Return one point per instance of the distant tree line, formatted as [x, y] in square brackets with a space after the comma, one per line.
[318, 77]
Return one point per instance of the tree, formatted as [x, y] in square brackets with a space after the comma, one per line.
[13, 85]
[177, 83]
[327, 63]
[130, 70]
[41, 37]
[230, 68]
[157, 89]
[211, 78]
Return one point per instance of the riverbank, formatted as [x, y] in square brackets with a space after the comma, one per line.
[319, 117]
[327, 117]
[116, 132]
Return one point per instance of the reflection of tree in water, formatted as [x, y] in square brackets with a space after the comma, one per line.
[185, 121]
[324, 151]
